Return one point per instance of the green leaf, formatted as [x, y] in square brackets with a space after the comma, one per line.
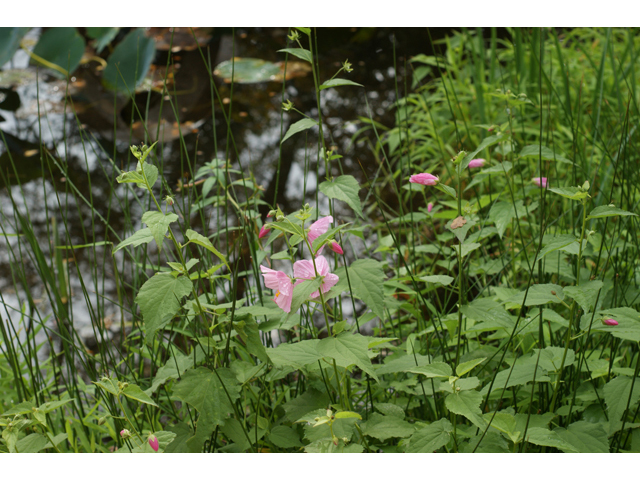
[302, 291]
[585, 294]
[33, 443]
[110, 385]
[51, 406]
[616, 396]
[298, 127]
[433, 370]
[585, 437]
[175, 366]
[248, 331]
[336, 82]
[466, 367]
[608, 211]
[302, 53]
[438, 279]
[547, 438]
[209, 393]
[465, 248]
[297, 354]
[502, 213]
[159, 300]
[572, 193]
[556, 242]
[431, 437]
[137, 177]
[348, 349]
[539, 295]
[520, 375]
[384, 428]
[10, 41]
[344, 188]
[402, 363]
[466, 403]
[303, 404]
[346, 414]
[547, 154]
[129, 62]
[195, 237]
[143, 235]
[102, 36]
[367, 280]
[390, 409]
[134, 392]
[446, 189]
[61, 46]
[158, 224]
[284, 437]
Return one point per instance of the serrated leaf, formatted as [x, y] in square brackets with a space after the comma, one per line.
[336, 82]
[137, 176]
[557, 242]
[298, 127]
[384, 428]
[431, 437]
[143, 235]
[520, 375]
[134, 392]
[547, 438]
[303, 404]
[616, 395]
[438, 279]
[33, 443]
[211, 393]
[297, 354]
[159, 300]
[158, 224]
[608, 211]
[284, 437]
[302, 291]
[302, 53]
[547, 154]
[390, 409]
[502, 213]
[344, 188]
[585, 437]
[585, 294]
[466, 403]
[175, 366]
[367, 280]
[539, 294]
[348, 349]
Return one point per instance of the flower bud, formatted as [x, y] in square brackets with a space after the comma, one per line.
[124, 433]
[477, 163]
[429, 207]
[610, 321]
[585, 185]
[264, 231]
[335, 246]
[153, 441]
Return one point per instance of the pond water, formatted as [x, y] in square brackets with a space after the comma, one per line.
[87, 130]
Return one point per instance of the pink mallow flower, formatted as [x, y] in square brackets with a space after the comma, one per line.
[610, 321]
[264, 231]
[281, 283]
[477, 163]
[540, 181]
[320, 227]
[424, 179]
[153, 441]
[303, 270]
[429, 207]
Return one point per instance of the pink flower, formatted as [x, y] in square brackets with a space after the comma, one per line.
[424, 179]
[478, 162]
[335, 246]
[280, 282]
[610, 321]
[429, 207]
[153, 441]
[540, 181]
[303, 270]
[320, 227]
[264, 231]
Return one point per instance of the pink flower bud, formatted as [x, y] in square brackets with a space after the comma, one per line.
[610, 321]
[335, 246]
[478, 162]
[263, 231]
[124, 433]
[424, 179]
[153, 441]
[540, 181]
[429, 207]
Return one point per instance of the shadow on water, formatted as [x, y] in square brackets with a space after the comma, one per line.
[54, 134]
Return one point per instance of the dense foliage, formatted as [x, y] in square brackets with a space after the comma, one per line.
[478, 293]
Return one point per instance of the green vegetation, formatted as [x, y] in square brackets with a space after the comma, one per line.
[478, 293]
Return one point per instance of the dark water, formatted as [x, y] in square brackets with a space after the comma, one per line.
[87, 137]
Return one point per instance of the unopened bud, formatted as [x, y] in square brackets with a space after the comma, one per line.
[610, 321]
[124, 433]
[153, 442]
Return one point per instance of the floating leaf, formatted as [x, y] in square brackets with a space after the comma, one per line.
[10, 41]
[129, 62]
[60, 47]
